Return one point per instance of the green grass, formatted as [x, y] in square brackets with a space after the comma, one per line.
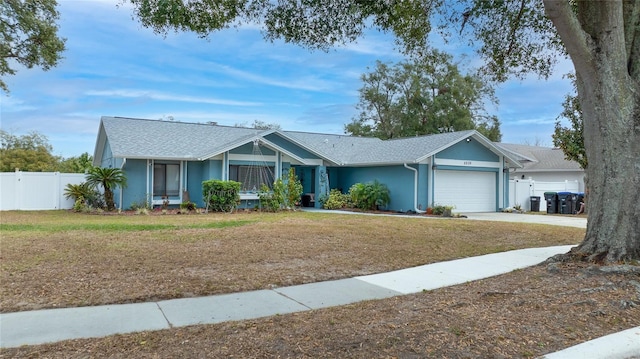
[116, 227]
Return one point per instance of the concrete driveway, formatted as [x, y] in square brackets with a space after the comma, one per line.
[554, 220]
[543, 218]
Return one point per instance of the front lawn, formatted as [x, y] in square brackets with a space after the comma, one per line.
[56, 259]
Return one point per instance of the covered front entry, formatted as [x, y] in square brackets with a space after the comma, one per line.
[468, 191]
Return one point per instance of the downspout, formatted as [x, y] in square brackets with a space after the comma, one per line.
[149, 194]
[415, 188]
[186, 179]
[124, 161]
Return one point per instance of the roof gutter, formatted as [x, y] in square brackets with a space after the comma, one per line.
[415, 188]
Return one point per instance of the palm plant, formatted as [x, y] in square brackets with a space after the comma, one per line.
[370, 196]
[77, 192]
[108, 178]
[378, 194]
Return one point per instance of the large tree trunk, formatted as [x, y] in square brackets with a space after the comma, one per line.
[603, 40]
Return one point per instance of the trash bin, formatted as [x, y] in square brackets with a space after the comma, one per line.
[535, 203]
[552, 202]
[566, 202]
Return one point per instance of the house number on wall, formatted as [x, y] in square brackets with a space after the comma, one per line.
[467, 163]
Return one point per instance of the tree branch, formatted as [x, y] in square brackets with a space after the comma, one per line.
[632, 37]
[576, 40]
[514, 27]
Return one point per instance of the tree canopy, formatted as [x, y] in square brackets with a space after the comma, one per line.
[422, 97]
[514, 38]
[29, 36]
[260, 125]
[76, 164]
[33, 153]
[570, 139]
[29, 153]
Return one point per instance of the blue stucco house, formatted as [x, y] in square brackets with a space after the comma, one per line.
[167, 160]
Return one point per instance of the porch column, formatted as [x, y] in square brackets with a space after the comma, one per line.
[322, 184]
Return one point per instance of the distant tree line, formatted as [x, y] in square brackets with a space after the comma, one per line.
[33, 153]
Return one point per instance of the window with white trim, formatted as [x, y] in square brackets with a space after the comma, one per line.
[252, 177]
[166, 179]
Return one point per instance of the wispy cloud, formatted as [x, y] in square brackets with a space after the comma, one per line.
[307, 82]
[127, 93]
[534, 121]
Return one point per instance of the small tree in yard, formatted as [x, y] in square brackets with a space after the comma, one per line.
[514, 38]
[282, 195]
[109, 179]
[294, 189]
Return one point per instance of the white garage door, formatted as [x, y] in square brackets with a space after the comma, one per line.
[469, 191]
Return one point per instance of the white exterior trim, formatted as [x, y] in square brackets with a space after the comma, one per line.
[466, 163]
[252, 158]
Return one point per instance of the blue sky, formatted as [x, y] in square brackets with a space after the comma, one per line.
[113, 66]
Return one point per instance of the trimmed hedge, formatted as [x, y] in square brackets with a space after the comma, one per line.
[221, 196]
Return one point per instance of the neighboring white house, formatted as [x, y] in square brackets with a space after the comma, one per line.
[544, 164]
[544, 170]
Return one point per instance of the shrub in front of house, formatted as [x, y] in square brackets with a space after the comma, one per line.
[221, 196]
[370, 195]
[335, 200]
[442, 210]
[272, 199]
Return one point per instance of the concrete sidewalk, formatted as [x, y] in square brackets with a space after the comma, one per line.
[52, 325]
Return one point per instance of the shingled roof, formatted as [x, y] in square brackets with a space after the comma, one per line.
[139, 138]
[156, 139]
[540, 159]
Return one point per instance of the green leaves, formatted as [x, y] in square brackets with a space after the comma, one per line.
[571, 139]
[30, 153]
[369, 196]
[422, 97]
[108, 178]
[221, 195]
[29, 35]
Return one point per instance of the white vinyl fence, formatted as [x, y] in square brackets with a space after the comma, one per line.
[521, 190]
[36, 190]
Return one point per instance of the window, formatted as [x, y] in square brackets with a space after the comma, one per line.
[166, 179]
[252, 177]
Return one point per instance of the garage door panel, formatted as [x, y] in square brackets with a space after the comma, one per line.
[468, 191]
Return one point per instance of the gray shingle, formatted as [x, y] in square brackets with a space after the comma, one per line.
[139, 138]
[136, 138]
[535, 158]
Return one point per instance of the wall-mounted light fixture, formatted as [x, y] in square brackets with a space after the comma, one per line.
[434, 167]
[468, 140]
